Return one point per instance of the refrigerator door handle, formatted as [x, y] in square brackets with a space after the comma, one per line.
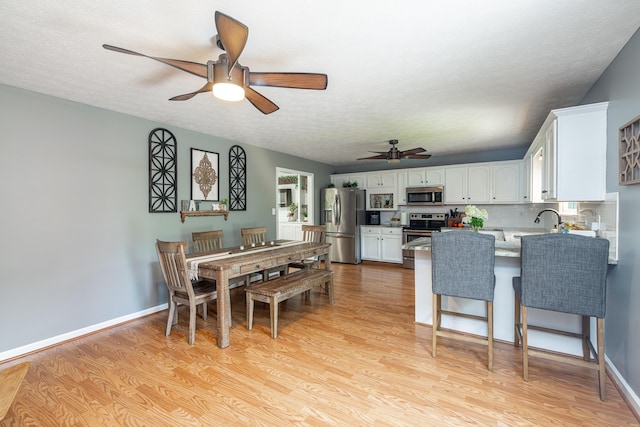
[337, 210]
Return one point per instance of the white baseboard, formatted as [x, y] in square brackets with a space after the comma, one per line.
[29, 348]
[626, 391]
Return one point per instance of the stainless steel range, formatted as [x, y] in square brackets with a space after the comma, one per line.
[420, 225]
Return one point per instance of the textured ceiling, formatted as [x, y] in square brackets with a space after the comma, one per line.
[450, 76]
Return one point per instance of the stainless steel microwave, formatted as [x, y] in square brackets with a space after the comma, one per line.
[425, 196]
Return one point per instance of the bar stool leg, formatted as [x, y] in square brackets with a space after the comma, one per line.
[525, 346]
[602, 375]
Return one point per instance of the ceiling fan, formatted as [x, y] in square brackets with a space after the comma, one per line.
[394, 155]
[226, 78]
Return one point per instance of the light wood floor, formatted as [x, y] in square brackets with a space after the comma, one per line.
[360, 362]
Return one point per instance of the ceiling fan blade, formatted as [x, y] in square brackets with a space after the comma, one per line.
[417, 156]
[259, 101]
[199, 70]
[378, 157]
[233, 35]
[206, 88]
[289, 80]
[412, 151]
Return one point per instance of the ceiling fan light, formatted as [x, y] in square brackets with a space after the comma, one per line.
[393, 161]
[228, 91]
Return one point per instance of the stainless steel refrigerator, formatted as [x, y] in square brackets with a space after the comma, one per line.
[343, 211]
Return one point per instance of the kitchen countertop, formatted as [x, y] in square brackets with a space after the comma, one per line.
[509, 247]
[503, 248]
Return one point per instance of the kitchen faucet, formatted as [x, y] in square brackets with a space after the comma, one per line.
[537, 220]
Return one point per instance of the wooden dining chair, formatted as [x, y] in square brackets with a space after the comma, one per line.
[253, 235]
[310, 233]
[256, 236]
[181, 290]
[204, 241]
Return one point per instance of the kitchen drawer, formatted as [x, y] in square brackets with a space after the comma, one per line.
[394, 231]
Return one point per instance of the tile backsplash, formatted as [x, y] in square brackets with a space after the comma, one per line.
[602, 215]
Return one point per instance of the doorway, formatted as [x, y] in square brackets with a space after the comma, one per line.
[294, 201]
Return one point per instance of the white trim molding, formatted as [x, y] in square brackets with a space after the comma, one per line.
[39, 345]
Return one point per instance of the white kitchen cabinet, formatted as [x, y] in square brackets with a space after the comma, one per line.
[525, 179]
[468, 184]
[505, 182]
[382, 190]
[569, 155]
[422, 177]
[496, 182]
[381, 244]
[290, 231]
[381, 180]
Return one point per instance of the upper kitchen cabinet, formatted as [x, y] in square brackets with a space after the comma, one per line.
[467, 184]
[381, 180]
[422, 177]
[506, 182]
[568, 155]
[497, 182]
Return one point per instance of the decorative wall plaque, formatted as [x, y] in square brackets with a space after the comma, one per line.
[237, 179]
[204, 175]
[163, 171]
[629, 150]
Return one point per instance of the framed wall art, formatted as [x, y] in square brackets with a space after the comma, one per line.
[205, 181]
[237, 179]
[629, 151]
[163, 171]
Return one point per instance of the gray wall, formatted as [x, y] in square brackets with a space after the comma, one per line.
[620, 85]
[78, 241]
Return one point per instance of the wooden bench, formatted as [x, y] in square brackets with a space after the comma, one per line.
[283, 288]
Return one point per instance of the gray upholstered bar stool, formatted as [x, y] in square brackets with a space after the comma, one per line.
[563, 273]
[463, 266]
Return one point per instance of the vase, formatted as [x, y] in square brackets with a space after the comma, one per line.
[476, 229]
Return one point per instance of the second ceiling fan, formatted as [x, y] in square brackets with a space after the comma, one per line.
[229, 80]
[394, 155]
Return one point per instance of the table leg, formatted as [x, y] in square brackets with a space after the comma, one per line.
[224, 308]
[327, 261]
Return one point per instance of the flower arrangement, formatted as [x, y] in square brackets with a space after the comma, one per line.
[475, 217]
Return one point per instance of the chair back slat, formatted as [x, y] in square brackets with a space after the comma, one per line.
[565, 273]
[173, 264]
[204, 241]
[313, 233]
[463, 264]
[256, 235]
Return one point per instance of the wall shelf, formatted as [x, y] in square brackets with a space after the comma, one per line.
[184, 214]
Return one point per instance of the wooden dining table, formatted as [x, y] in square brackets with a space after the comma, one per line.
[228, 263]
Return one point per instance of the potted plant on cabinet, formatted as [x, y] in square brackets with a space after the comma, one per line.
[304, 216]
[292, 211]
[224, 204]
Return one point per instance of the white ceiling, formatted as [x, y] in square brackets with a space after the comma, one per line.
[454, 76]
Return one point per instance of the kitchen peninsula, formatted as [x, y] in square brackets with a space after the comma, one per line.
[507, 265]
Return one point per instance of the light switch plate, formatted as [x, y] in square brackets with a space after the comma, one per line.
[273, 211]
